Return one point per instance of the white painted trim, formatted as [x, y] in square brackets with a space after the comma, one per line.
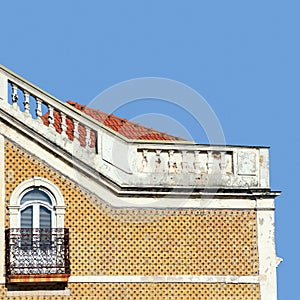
[3, 88]
[164, 278]
[66, 292]
[137, 199]
[122, 170]
[48, 187]
[267, 254]
[37, 182]
[2, 206]
[36, 205]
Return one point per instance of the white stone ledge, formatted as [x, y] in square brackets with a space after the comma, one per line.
[66, 292]
[165, 278]
[160, 279]
[137, 199]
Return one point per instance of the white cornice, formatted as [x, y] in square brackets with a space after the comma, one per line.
[166, 279]
[24, 135]
[117, 197]
[118, 164]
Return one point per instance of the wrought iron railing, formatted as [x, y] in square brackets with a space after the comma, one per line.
[35, 251]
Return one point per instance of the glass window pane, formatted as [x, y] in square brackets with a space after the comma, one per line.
[36, 194]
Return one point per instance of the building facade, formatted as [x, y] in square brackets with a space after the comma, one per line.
[96, 207]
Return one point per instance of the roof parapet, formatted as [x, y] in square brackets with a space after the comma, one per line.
[129, 163]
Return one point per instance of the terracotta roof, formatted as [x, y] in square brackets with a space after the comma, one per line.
[124, 127]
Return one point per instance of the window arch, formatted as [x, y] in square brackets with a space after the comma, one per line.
[36, 203]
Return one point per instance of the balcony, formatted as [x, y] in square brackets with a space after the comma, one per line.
[37, 255]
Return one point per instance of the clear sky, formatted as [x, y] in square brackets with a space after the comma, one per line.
[243, 57]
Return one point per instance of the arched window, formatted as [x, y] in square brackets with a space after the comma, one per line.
[36, 203]
[38, 241]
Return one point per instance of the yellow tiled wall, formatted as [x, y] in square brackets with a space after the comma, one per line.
[108, 241]
[157, 291]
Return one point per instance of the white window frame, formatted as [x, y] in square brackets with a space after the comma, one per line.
[36, 208]
[58, 207]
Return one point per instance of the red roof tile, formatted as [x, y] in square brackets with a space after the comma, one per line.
[124, 127]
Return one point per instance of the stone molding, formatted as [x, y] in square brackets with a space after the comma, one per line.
[165, 278]
[47, 186]
[131, 163]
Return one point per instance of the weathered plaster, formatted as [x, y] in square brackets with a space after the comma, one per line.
[2, 210]
[267, 254]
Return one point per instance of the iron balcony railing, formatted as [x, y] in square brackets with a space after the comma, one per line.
[35, 251]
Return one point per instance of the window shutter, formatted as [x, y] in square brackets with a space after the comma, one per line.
[45, 217]
[26, 217]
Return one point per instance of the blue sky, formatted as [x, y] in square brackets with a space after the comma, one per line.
[243, 57]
